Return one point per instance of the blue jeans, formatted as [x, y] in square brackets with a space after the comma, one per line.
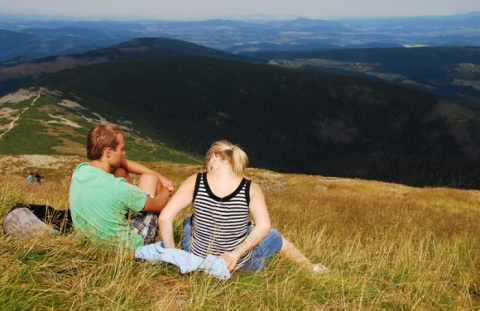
[261, 253]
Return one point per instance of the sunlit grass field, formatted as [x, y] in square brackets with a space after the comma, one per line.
[388, 247]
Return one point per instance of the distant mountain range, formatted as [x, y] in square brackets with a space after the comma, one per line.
[22, 37]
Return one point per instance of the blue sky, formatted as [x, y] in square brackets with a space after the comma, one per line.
[208, 9]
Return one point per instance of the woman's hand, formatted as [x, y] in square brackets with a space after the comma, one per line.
[230, 260]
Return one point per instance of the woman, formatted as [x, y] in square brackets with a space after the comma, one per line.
[222, 200]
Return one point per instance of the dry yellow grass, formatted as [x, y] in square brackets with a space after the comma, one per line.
[388, 246]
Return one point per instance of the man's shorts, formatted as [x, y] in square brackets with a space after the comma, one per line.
[146, 225]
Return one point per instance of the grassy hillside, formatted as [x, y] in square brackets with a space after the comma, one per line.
[41, 121]
[388, 247]
[288, 120]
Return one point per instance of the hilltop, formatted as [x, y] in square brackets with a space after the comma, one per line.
[388, 246]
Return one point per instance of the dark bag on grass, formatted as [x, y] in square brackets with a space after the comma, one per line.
[34, 219]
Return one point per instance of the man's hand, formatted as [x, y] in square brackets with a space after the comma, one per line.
[166, 183]
[230, 260]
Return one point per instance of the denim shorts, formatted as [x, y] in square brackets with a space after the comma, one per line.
[261, 253]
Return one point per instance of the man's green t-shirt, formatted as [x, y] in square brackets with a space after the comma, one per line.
[99, 204]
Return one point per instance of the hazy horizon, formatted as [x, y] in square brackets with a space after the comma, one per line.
[227, 9]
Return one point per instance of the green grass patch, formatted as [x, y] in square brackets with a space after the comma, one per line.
[28, 138]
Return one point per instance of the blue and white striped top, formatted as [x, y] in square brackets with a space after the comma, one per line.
[219, 225]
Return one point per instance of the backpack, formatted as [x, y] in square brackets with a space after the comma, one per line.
[33, 219]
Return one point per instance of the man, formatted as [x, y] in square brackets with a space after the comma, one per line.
[105, 205]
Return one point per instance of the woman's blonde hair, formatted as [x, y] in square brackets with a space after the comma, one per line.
[233, 154]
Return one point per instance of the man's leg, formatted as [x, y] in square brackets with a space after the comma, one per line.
[148, 183]
[143, 223]
[121, 172]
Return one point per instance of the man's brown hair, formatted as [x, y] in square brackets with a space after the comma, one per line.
[100, 137]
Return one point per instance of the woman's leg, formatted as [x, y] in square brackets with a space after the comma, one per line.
[292, 253]
[264, 250]
[187, 233]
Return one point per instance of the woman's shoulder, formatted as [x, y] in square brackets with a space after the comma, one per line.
[192, 178]
[254, 187]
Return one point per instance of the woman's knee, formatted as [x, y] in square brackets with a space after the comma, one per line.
[278, 239]
[273, 241]
[276, 235]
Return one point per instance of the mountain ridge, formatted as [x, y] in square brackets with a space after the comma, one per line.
[24, 71]
[289, 120]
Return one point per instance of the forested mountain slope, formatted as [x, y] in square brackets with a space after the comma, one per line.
[288, 120]
[451, 72]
